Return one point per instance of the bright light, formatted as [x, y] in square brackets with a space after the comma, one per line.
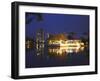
[69, 46]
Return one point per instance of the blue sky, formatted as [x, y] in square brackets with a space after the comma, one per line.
[57, 23]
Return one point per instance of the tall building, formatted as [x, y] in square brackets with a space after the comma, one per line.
[40, 35]
[40, 38]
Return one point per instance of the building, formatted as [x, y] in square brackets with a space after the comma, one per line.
[59, 44]
[29, 43]
[61, 40]
[40, 38]
[57, 39]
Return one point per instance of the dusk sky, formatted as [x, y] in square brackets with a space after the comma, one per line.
[57, 23]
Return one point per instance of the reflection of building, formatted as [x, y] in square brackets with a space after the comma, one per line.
[39, 41]
[64, 50]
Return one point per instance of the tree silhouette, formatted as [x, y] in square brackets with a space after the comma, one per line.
[37, 15]
[71, 35]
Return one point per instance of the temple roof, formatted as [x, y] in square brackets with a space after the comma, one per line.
[57, 37]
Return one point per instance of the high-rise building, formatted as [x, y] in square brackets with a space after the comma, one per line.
[40, 41]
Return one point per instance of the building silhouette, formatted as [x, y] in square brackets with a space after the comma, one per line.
[40, 39]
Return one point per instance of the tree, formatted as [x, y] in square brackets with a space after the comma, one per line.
[71, 35]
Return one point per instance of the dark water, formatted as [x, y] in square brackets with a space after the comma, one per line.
[56, 56]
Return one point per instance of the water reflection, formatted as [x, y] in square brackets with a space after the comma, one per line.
[40, 49]
[47, 56]
[64, 50]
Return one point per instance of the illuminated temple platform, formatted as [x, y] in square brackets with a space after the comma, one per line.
[66, 43]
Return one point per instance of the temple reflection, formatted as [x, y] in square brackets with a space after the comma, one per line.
[64, 50]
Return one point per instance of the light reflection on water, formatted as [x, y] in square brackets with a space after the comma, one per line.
[64, 50]
[42, 48]
[57, 50]
[44, 56]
